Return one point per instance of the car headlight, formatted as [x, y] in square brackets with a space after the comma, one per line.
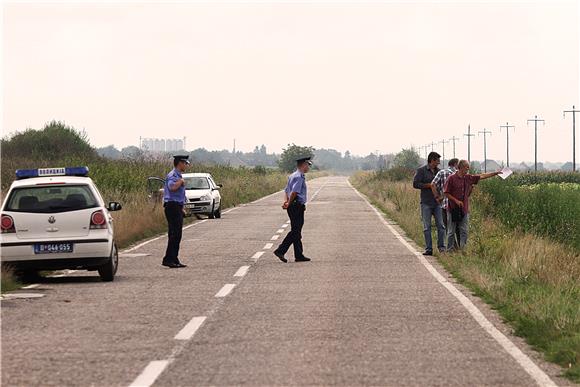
[205, 197]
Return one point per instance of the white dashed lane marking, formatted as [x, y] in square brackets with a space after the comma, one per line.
[257, 255]
[150, 373]
[189, 330]
[155, 368]
[225, 290]
[242, 271]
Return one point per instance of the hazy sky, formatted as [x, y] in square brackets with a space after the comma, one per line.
[357, 76]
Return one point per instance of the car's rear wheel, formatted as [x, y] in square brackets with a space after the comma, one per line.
[109, 269]
[212, 213]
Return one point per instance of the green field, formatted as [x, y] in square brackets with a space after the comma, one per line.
[522, 258]
[544, 204]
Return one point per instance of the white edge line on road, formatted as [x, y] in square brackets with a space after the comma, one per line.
[284, 225]
[257, 255]
[196, 223]
[280, 231]
[225, 290]
[266, 197]
[521, 358]
[190, 328]
[142, 244]
[317, 192]
[31, 286]
[242, 271]
[268, 246]
[150, 373]
[287, 222]
[275, 237]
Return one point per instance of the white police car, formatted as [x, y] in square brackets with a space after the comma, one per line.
[55, 218]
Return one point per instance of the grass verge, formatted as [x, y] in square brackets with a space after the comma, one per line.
[532, 281]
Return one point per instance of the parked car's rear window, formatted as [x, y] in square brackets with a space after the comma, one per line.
[196, 183]
[51, 199]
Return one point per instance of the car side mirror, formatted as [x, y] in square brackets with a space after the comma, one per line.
[220, 185]
[114, 206]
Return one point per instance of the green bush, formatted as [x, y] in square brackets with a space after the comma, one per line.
[394, 174]
[544, 208]
[50, 143]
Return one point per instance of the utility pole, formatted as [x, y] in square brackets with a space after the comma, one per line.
[454, 139]
[485, 132]
[443, 142]
[469, 135]
[432, 146]
[573, 111]
[507, 127]
[536, 120]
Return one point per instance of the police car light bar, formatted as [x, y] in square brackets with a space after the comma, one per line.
[44, 172]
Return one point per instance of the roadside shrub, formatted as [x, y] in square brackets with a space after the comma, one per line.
[394, 174]
[546, 208]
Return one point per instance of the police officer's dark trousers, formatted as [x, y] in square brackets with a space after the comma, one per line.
[296, 213]
[174, 215]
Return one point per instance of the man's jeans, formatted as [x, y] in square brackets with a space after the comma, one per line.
[426, 213]
[463, 228]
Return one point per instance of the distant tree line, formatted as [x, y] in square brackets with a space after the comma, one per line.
[324, 159]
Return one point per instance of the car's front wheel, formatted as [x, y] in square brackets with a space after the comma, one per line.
[218, 212]
[109, 269]
[211, 215]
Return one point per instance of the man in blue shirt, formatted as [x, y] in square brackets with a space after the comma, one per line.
[173, 201]
[296, 196]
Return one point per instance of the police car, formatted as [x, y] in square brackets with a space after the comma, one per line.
[55, 218]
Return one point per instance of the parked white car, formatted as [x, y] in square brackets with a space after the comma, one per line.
[201, 191]
[203, 195]
[55, 218]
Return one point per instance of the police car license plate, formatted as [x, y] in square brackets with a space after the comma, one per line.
[53, 248]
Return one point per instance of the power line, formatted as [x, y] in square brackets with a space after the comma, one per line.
[535, 120]
[507, 127]
[485, 132]
[443, 142]
[469, 135]
[454, 139]
[573, 111]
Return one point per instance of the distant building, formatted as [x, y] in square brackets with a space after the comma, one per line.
[162, 144]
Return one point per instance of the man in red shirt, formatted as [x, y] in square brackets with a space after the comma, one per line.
[458, 188]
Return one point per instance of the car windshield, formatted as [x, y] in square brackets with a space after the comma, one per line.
[196, 183]
[51, 199]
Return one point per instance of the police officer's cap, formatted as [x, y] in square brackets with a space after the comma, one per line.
[184, 158]
[304, 159]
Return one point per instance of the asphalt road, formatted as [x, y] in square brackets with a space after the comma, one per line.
[367, 310]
